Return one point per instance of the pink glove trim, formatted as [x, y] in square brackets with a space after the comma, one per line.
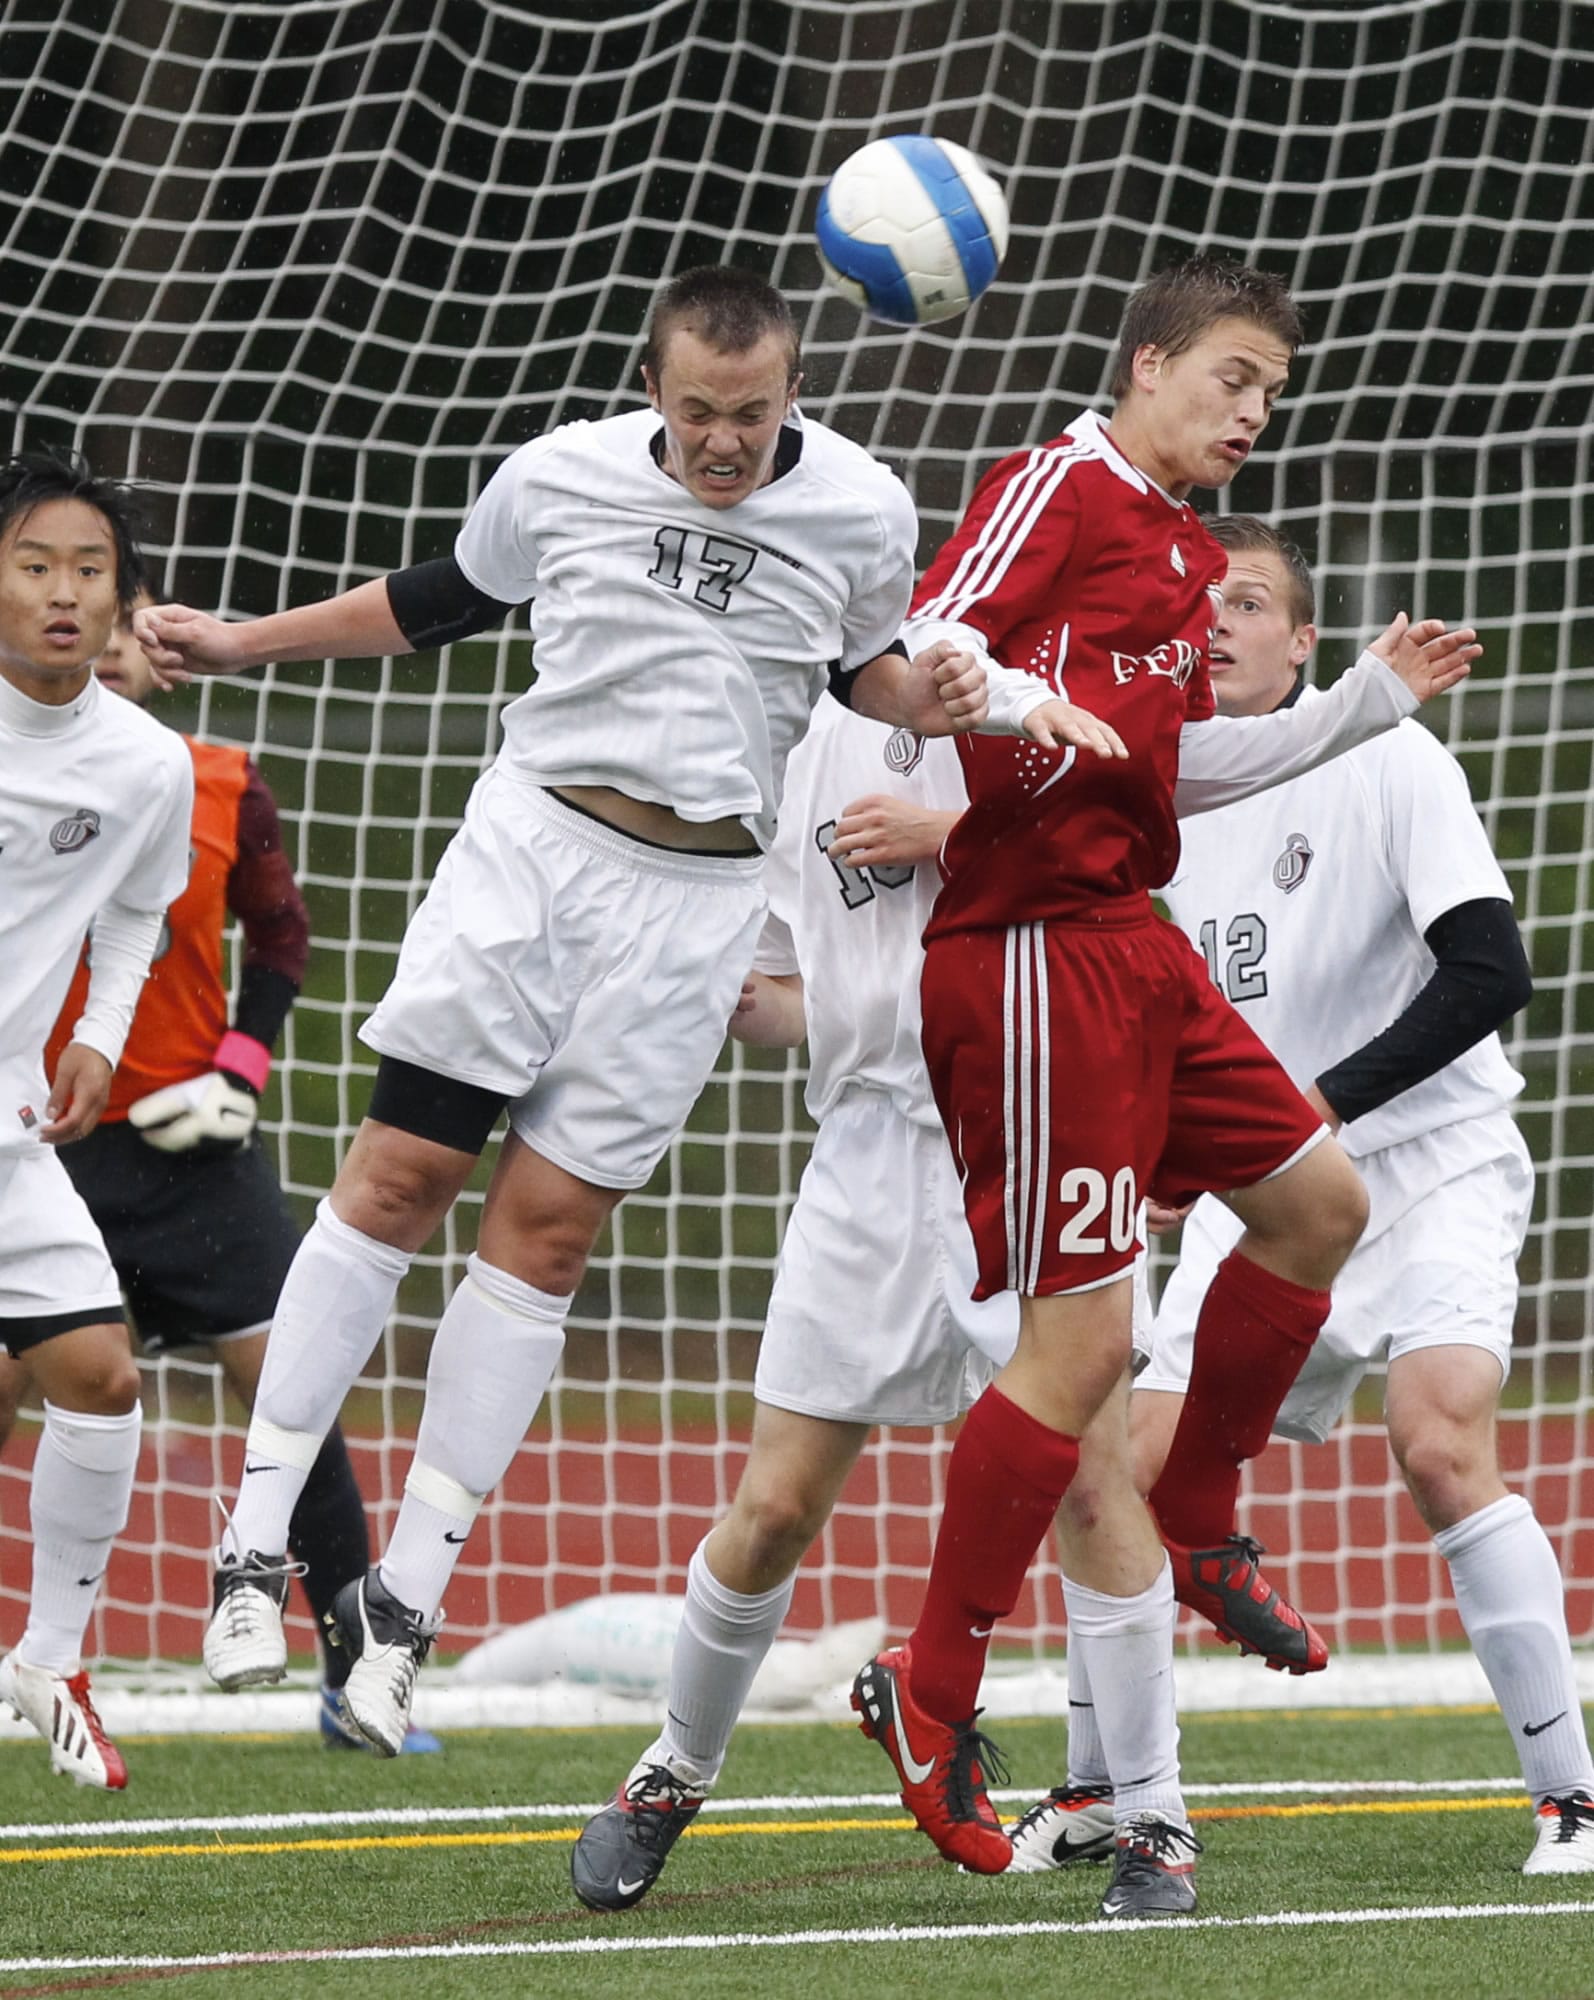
[245, 1057]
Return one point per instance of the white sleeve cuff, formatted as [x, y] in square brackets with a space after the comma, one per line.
[1010, 694]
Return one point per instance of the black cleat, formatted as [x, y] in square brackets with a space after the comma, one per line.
[621, 1853]
[1153, 1870]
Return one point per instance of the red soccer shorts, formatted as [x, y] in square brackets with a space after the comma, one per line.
[1079, 1066]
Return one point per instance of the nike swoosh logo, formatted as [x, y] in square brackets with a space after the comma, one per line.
[915, 1771]
[975, 1631]
[1538, 1728]
[85, 1581]
[260, 1468]
[630, 1888]
[447, 1537]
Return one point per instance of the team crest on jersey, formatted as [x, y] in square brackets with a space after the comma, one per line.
[1289, 871]
[1176, 557]
[75, 831]
[903, 751]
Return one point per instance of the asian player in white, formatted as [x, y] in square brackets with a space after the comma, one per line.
[1360, 922]
[698, 571]
[95, 800]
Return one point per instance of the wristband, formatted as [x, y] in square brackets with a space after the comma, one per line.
[243, 1056]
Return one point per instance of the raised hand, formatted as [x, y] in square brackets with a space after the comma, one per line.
[1427, 656]
[180, 642]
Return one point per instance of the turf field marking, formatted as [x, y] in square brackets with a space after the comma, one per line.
[423, 1816]
[596, 1947]
[219, 1849]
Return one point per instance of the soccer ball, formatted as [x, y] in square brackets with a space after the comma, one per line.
[911, 229]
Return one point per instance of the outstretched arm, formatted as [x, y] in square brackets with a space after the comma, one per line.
[1230, 757]
[180, 642]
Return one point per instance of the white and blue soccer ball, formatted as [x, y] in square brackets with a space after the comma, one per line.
[911, 229]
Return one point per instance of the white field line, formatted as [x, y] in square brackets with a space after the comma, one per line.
[595, 1947]
[288, 1822]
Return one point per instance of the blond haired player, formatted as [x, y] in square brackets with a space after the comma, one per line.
[698, 571]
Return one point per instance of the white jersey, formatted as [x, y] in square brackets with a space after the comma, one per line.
[1310, 902]
[855, 934]
[680, 648]
[96, 800]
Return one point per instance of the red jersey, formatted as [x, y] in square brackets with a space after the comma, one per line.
[1075, 567]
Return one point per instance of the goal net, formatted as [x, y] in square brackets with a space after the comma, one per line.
[309, 272]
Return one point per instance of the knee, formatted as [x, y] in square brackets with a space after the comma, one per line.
[1339, 1210]
[774, 1524]
[1441, 1473]
[107, 1386]
[553, 1256]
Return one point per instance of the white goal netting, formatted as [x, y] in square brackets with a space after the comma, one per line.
[309, 271]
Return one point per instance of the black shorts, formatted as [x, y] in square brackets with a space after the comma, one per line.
[201, 1241]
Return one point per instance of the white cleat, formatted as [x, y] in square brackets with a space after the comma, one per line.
[1072, 1823]
[387, 1642]
[1564, 1842]
[61, 1708]
[245, 1644]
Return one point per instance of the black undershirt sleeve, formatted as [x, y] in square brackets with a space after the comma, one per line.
[265, 1000]
[1480, 980]
[844, 679]
[435, 603]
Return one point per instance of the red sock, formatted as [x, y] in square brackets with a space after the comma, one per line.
[1251, 1340]
[1004, 1481]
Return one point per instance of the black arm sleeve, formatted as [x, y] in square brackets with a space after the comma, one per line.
[1481, 980]
[843, 679]
[265, 999]
[435, 603]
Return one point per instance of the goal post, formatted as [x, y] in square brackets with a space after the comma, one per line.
[309, 273]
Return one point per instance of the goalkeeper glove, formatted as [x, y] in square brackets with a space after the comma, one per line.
[216, 1111]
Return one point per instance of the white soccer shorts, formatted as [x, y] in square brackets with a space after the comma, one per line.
[870, 1320]
[585, 976]
[53, 1261]
[1436, 1268]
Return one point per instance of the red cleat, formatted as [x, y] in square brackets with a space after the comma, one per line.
[1228, 1589]
[942, 1768]
[61, 1709]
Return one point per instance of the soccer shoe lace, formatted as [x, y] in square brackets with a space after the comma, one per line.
[1153, 1873]
[61, 1708]
[941, 1766]
[244, 1642]
[387, 1643]
[1563, 1843]
[620, 1852]
[1228, 1589]
[1072, 1823]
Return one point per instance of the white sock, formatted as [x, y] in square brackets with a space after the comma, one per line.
[335, 1301]
[1086, 1763]
[1513, 1604]
[493, 1356]
[1126, 1644]
[722, 1642]
[82, 1486]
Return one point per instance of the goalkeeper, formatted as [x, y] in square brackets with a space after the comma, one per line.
[197, 1227]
